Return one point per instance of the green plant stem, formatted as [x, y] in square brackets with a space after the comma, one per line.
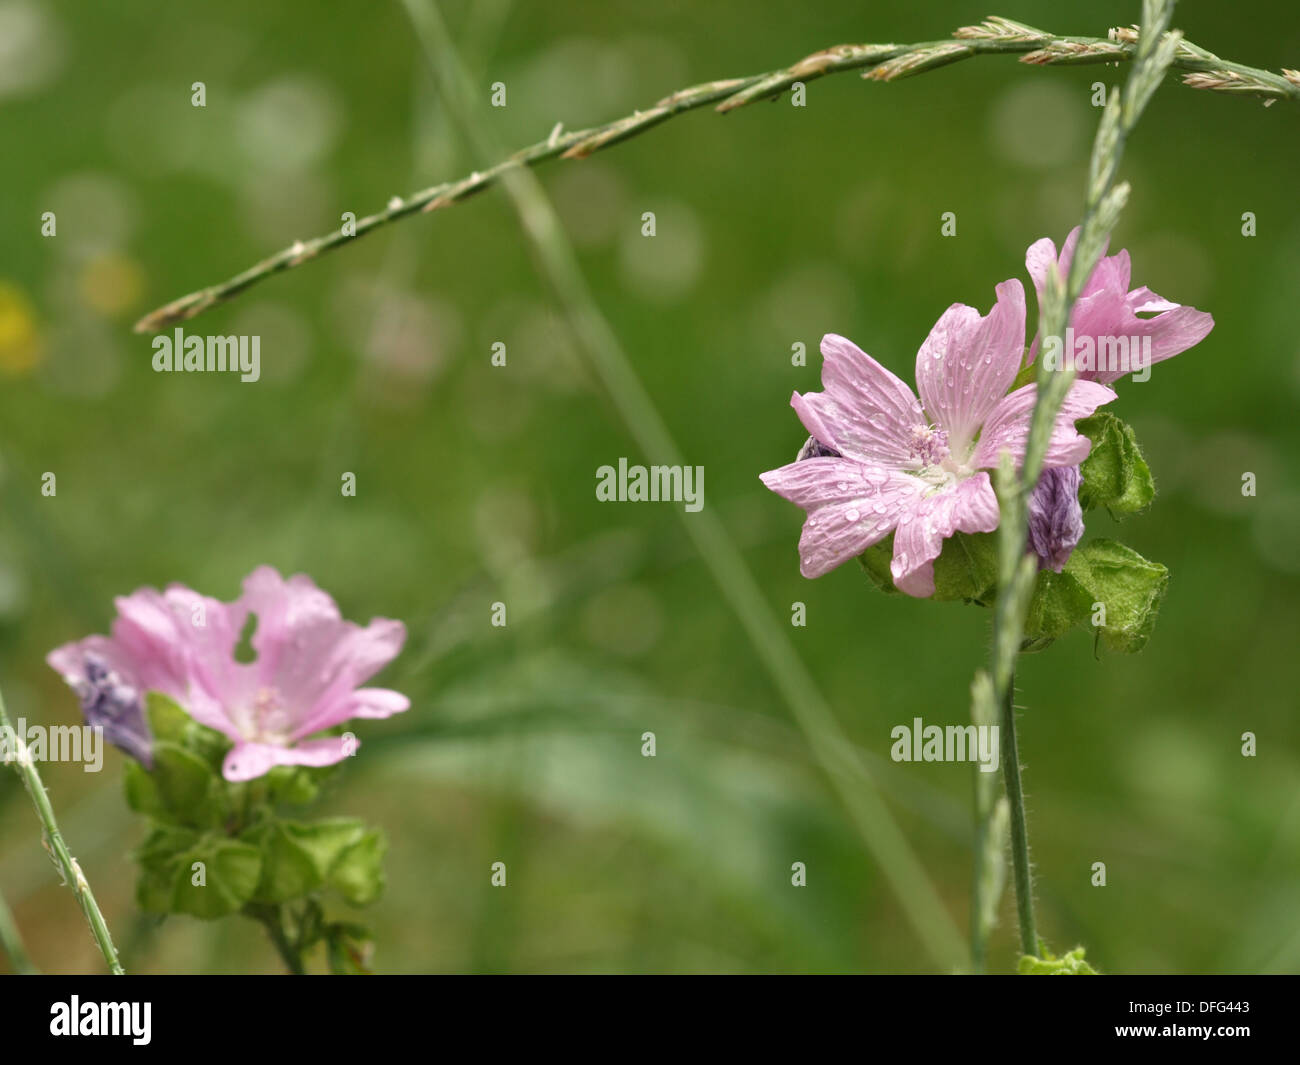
[881, 62]
[1157, 49]
[1010, 754]
[272, 919]
[918, 898]
[58, 850]
[12, 943]
[992, 813]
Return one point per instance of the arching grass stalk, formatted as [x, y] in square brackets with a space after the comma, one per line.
[1156, 50]
[58, 850]
[11, 942]
[918, 898]
[880, 62]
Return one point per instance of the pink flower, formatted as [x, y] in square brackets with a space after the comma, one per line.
[881, 461]
[1107, 308]
[304, 680]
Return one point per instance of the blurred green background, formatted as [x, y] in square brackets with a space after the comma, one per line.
[775, 225]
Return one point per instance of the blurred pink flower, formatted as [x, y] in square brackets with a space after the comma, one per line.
[304, 680]
[882, 461]
[1106, 307]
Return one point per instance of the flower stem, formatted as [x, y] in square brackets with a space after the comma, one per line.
[1156, 50]
[991, 831]
[881, 62]
[272, 919]
[58, 850]
[1019, 827]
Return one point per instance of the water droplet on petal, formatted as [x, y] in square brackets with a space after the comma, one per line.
[852, 514]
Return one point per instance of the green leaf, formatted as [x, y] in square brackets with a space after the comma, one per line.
[294, 785]
[325, 842]
[966, 569]
[1059, 603]
[1070, 964]
[205, 876]
[163, 844]
[1106, 585]
[287, 873]
[1129, 587]
[167, 721]
[1115, 475]
[207, 744]
[297, 785]
[359, 874]
[142, 791]
[297, 858]
[159, 857]
[875, 564]
[215, 878]
[189, 792]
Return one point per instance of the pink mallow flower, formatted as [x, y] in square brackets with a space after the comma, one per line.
[305, 679]
[881, 461]
[1106, 312]
[1106, 308]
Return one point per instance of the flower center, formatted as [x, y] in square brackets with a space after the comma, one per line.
[929, 445]
[939, 466]
[266, 720]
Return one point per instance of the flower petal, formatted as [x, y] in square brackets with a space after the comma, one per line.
[1038, 262]
[864, 411]
[307, 652]
[1008, 426]
[247, 761]
[968, 362]
[850, 506]
[969, 506]
[169, 653]
[147, 632]
[364, 702]
[1171, 332]
[377, 703]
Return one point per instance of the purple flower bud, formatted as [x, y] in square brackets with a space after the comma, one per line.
[115, 706]
[815, 449]
[1055, 517]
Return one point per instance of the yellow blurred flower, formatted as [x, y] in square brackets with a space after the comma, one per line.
[111, 283]
[21, 344]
